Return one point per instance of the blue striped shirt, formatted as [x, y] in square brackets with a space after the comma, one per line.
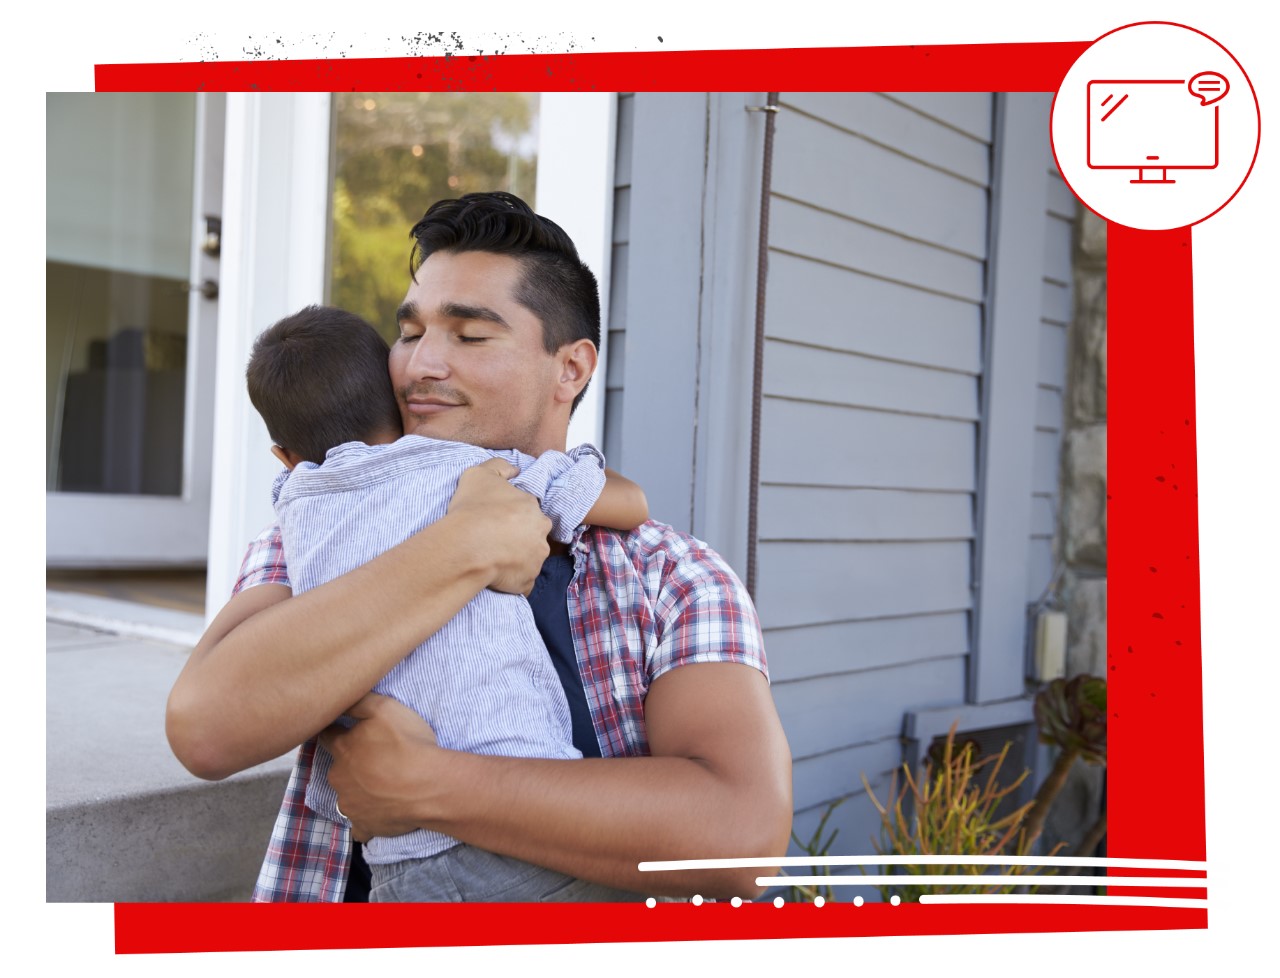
[484, 681]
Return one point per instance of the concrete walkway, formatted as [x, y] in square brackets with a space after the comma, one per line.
[124, 820]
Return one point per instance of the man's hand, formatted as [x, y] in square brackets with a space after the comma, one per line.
[377, 766]
[508, 529]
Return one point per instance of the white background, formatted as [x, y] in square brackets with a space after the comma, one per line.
[1236, 361]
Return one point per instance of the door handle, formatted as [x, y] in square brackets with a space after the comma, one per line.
[208, 288]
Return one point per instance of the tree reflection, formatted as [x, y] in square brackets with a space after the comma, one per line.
[396, 154]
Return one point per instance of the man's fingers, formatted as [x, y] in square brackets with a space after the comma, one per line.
[501, 467]
[364, 707]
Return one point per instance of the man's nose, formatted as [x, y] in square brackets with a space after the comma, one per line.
[429, 356]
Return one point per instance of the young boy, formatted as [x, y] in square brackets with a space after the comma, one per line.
[355, 487]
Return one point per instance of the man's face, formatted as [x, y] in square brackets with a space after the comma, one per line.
[469, 364]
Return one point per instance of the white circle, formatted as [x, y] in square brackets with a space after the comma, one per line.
[895, 899]
[1133, 140]
[857, 901]
[697, 900]
[818, 901]
[778, 901]
[651, 903]
[736, 901]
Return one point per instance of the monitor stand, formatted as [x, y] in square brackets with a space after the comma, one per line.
[1152, 170]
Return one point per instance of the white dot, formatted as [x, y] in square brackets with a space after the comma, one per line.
[818, 901]
[895, 899]
[778, 901]
[651, 903]
[736, 901]
[697, 900]
[857, 901]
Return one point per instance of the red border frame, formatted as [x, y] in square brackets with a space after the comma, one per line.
[1156, 796]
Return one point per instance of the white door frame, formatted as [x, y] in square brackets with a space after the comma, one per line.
[275, 224]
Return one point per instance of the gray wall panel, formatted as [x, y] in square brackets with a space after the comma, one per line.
[1048, 408]
[826, 306]
[805, 584]
[1039, 566]
[851, 646]
[803, 230]
[1051, 366]
[813, 784]
[1055, 303]
[814, 513]
[895, 451]
[967, 111]
[892, 124]
[816, 374]
[814, 163]
[842, 711]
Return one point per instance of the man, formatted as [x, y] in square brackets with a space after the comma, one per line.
[661, 647]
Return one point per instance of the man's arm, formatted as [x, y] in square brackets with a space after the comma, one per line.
[718, 784]
[271, 672]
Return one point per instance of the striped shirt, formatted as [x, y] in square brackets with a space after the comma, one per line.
[640, 604]
[484, 681]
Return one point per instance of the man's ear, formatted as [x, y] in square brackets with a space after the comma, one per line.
[577, 364]
[287, 458]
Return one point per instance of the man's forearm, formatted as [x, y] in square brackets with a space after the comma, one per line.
[255, 688]
[598, 818]
[717, 786]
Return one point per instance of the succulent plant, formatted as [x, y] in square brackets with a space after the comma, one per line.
[1072, 716]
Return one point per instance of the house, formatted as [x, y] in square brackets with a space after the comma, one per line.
[911, 412]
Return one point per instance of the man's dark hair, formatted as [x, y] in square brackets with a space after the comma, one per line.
[557, 286]
[319, 379]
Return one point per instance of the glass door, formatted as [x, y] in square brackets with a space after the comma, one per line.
[133, 224]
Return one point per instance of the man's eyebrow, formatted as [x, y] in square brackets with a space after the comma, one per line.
[407, 310]
[460, 310]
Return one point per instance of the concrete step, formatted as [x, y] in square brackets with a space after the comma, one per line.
[125, 822]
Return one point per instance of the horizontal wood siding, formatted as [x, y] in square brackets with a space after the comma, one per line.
[873, 359]
[616, 322]
[1051, 379]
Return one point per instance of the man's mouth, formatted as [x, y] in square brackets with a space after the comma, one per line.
[426, 405]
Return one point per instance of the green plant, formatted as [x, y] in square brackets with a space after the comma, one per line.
[1071, 715]
[817, 848]
[950, 809]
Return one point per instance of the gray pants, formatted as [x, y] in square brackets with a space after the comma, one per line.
[467, 874]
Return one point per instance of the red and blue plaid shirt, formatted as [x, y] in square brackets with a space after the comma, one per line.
[640, 603]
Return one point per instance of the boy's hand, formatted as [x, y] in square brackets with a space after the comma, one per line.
[376, 766]
[508, 530]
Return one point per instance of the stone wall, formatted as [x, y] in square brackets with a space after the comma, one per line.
[1082, 529]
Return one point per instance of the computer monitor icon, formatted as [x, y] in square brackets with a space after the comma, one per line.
[1154, 126]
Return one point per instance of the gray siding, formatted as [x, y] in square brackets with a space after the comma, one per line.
[1051, 379]
[881, 441]
[616, 314]
[874, 323]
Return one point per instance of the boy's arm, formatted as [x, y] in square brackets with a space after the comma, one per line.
[272, 669]
[622, 504]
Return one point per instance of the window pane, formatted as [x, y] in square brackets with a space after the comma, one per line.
[120, 171]
[398, 153]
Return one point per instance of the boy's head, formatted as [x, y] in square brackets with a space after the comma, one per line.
[319, 379]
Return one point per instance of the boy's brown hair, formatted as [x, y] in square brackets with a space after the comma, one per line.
[319, 379]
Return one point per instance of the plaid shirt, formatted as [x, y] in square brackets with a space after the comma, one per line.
[640, 603]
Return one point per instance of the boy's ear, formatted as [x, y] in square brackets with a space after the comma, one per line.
[287, 458]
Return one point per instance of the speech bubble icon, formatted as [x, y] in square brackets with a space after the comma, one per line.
[1208, 86]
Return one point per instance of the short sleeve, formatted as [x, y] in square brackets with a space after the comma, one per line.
[705, 615]
[263, 562]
